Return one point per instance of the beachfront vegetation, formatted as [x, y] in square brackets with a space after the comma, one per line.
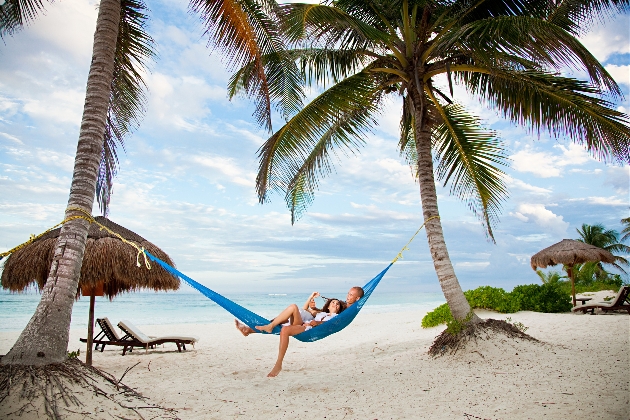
[508, 54]
[608, 239]
[550, 297]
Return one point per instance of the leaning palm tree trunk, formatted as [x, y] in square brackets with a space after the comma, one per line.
[459, 306]
[45, 338]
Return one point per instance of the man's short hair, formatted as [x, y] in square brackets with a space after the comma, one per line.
[359, 291]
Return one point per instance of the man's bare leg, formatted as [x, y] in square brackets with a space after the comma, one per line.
[244, 329]
[285, 334]
[292, 312]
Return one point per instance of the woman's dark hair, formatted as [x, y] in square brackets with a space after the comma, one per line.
[342, 305]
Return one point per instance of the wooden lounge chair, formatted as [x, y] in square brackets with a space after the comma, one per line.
[621, 302]
[107, 336]
[135, 338]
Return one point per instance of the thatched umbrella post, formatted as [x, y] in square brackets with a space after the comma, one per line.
[110, 267]
[90, 337]
[570, 252]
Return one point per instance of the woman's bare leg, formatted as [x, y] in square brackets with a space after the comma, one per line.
[291, 313]
[285, 334]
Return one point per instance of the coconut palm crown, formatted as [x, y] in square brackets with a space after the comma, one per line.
[507, 53]
[607, 239]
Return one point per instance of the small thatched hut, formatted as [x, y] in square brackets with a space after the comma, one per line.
[570, 252]
[107, 261]
[109, 266]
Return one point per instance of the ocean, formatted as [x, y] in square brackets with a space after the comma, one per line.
[150, 308]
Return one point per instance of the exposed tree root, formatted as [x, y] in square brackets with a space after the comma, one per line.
[70, 390]
[447, 343]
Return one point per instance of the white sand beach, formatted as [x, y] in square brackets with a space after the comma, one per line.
[378, 368]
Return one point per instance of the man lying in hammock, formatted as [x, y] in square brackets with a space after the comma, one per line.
[293, 323]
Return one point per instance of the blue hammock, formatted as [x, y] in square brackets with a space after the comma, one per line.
[252, 320]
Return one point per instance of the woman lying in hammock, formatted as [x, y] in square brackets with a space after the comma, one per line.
[293, 324]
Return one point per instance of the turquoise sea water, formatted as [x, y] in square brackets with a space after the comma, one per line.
[149, 308]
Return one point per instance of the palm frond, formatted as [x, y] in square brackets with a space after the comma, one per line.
[292, 158]
[329, 26]
[576, 16]
[527, 37]
[134, 48]
[344, 135]
[285, 81]
[321, 65]
[625, 232]
[469, 158]
[244, 31]
[14, 14]
[563, 106]
[407, 142]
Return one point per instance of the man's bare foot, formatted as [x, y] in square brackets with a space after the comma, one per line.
[244, 329]
[265, 328]
[274, 372]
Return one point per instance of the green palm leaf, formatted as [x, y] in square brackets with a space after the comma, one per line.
[468, 158]
[330, 26]
[530, 38]
[134, 48]
[244, 30]
[338, 118]
[568, 14]
[563, 106]
[14, 14]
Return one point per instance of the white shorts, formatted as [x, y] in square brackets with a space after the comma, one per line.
[305, 315]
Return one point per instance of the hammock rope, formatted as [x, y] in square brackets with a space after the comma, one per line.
[243, 314]
[252, 319]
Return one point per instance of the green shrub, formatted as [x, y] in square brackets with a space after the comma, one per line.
[440, 315]
[550, 297]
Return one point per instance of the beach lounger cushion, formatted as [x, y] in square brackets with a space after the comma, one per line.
[620, 302]
[136, 338]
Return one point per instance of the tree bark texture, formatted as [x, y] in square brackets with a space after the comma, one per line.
[45, 338]
[435, 236]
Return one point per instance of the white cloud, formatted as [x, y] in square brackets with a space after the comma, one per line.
[182, 101]
[11, 138]
[472, 265]
[608, 38]
[621, 74]
[618, 178]
[517, 184]
[538, 214]
[228, 167]
[602, 201]
[547, 165]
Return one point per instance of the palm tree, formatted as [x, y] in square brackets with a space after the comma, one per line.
[114, 103]
[608, 239]
[549, 278]
[506, 53]
[626, 229]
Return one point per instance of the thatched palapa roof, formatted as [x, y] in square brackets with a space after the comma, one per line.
[107, 260]
[570, 252]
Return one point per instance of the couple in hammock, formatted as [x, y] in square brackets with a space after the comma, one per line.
[295, 320]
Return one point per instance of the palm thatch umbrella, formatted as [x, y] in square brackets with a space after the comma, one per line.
[569, 252]
[110, 267]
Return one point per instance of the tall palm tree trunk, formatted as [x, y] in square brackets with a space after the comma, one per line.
[45, 338]
[437, 246]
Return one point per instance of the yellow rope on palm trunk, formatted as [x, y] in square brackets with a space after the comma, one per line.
[405, 248]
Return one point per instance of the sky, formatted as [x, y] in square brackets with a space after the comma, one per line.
[187, 175]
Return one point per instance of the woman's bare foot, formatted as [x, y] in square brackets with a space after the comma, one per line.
[274, 372]
[244, 329]
[265, 328]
